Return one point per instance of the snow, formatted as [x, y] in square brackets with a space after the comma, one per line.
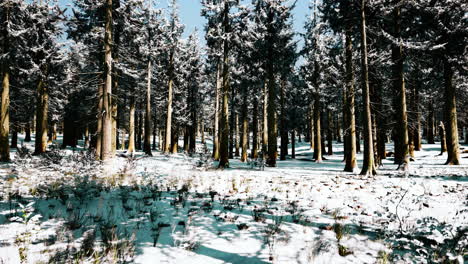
[299, 212]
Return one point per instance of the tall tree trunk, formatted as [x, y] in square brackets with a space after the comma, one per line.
[368, 167]
[317, 126]
[42, 108]
[98, 135]
[237, 153]
[265, 120]
[106, 148]
[5, 108]
[431, 123]
[254, 152]
[350, 152]
[293, 144]
[417, 109]
[219, 83]
[245, 125]
[272, 125]
[140, 127]
[450, 116]
[329, 133]
[232, 125]
[401, 137]
[224, 125]
[147, 141]
[168, 137]
[311, 126]
[131, 127]
[283, 128]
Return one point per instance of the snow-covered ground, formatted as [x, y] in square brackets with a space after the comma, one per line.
[179, 209]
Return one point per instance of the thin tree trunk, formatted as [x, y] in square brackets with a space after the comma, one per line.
[417, 129]
[140, 128]
[283, 128]
[265, 120]
[368, 167]
[186, 139]
[450, 116]
[329, 133]
[86, 140]
[98, 135]
[443, 142]
[245, 124]
[311, 126]
[317, 126]
[217, 112]
[147, 141]
[254, 152]
[431, 123]
[14, 136]
[168, 136]
[237, 136]
[131, 127]
[293, 144]
[41, 117]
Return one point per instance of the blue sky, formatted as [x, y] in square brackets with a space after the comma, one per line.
[190, 14]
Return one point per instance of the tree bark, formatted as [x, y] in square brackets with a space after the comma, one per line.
[350, 152]
[254, 152]
[401, 137]
[450, 116]
[131, 127]
[329, 133]
[224, 125]
[168, 136]
[5, 97]
[98, 135]
[14, 136]
[265, 120]
[368, 167]
[272, 125]
[283, 124]
[443, 142]
[431, 123]
[317, 126]
[237, 137]
[217, 112]
[106, 148]
[293, 144]
[27, 138]
[147, 141]
[42, 108]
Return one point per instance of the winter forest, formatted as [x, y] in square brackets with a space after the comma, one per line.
[125, 138]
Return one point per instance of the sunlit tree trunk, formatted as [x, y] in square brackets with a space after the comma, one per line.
[450, 116]
[106, 148]
[219, 83]
[42, 108]
[131, 127]
[147, 141]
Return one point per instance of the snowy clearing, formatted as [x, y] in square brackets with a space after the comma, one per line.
[65, 206]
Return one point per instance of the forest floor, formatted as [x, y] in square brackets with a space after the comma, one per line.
[64, 207]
